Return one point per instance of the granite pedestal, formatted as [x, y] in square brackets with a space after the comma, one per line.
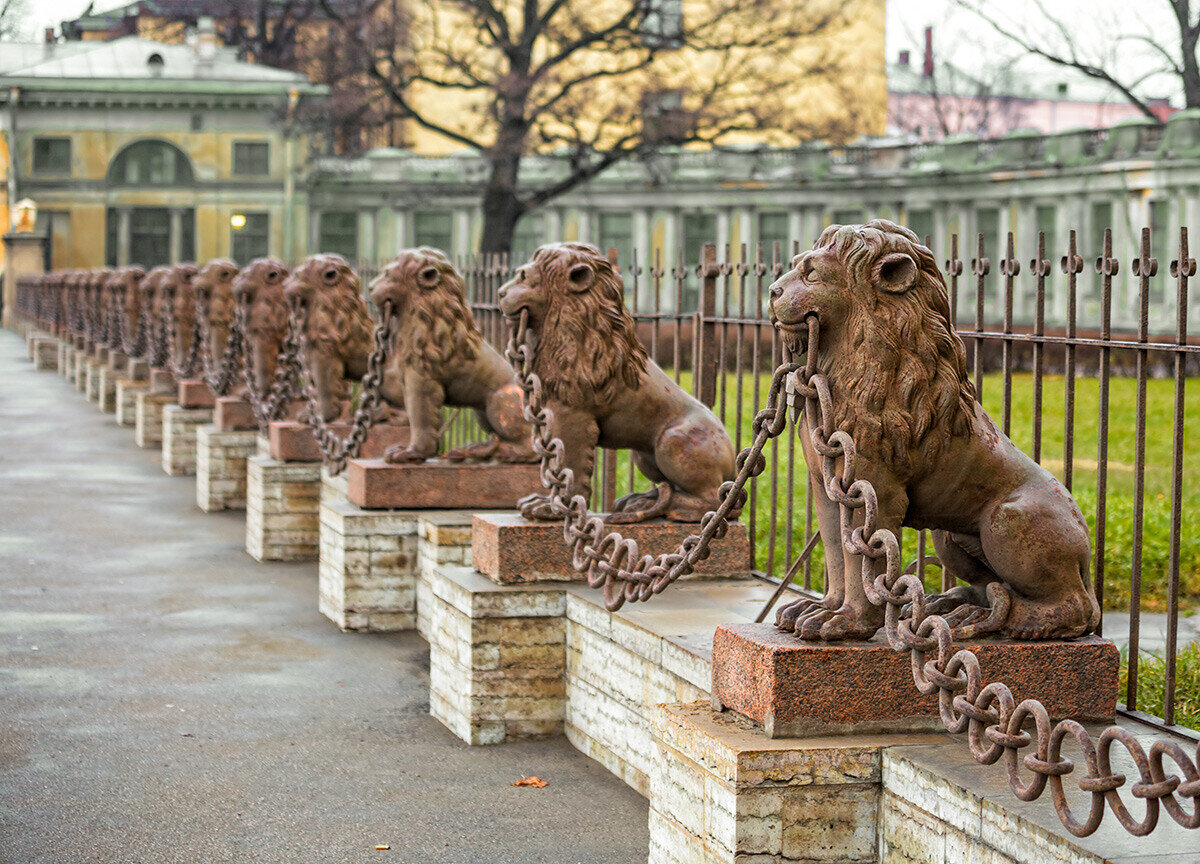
[194, 393]
[438, 484]
[293, 441]
[232, 414]
[508, 548]
[221, 467]
[790, 687]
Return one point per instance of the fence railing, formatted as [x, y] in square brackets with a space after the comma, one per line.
[1103, 409]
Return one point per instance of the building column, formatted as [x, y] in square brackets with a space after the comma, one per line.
[723, 225]
[641, 244]
[124, 238]
[403, 234]
[368, 243]
[176, 253]
[585, 225]
[462, 233]
[554, 225]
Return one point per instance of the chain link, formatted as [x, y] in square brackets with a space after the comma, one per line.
[274, 403]
[335, 450]
[222, 380]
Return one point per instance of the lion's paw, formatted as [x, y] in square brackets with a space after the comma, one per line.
[787, 615]
[838, 625]
[398, 455]
[537, 507]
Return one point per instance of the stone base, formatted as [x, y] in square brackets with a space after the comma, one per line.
[508, 548]
[292, 441]
[497, 656]
[439, 485]
[221, 468]
[80, 369]
[44, 352]
[91, 379]
[149, 413]
[793, 688]
[282, 500]
[194, 393]
[179, 438]
[106, 389]
[234, 415]
[722, 792]
[118, 362]
[139, 370]
[66, 358]
[370, 561]
[125, 400]
[162, 383]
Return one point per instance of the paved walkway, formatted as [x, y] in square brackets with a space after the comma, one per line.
[163, 697]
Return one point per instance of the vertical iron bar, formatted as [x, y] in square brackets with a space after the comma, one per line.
[1181, 269]
[1009, 267]
[706, 329]
[1072, 265]
[980, 266]
[1040, 268]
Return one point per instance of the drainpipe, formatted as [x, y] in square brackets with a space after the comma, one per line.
[289, 179]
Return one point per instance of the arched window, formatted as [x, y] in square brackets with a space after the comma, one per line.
[151, 163]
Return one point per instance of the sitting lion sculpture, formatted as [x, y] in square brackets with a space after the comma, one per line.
[897, 377]
[215, 283]
[260, 285]
[177, 286]
[603, 390]
[152, 304]
[338, 331]
[438, 357]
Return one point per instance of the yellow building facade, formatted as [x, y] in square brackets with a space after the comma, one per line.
[142, 152]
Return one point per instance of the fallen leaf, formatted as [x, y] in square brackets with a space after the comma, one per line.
[536, 782]
[382, 846]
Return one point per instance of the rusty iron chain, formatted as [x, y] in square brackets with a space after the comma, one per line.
[272, 404]
[221, 381]
[606, 558]
[335, 450]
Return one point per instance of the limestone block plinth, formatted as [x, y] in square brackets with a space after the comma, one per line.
[80, 369]
[125, 400]
[106, 389]
[149, 413]
[91, 379]
[45, 352]
[66, 358]
[443, 537]
[722, 792]
[497, 656]
[221, 468]
[509, 548]
[282, 503]
[179, 438]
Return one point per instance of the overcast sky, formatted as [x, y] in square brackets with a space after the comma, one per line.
[958, 35]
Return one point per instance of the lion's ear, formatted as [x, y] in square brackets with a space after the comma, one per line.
[428, 277]
[580, 277]
[897, 272]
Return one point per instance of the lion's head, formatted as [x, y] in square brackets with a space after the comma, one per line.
[588, 348]
[261, 278]
[214, 283]
[330, 289]
[886, 341]
[429, 297]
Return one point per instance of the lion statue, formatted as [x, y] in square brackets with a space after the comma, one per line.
[151, 304]
[438, 357]
[176, 288]
[260, 285]
[214, 283]
[338, 333]
[897, 376]
[603, 390]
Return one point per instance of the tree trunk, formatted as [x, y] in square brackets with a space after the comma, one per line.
[502, 205]
[501, 210]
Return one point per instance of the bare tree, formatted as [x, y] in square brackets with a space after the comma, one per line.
[606, 82]
[1058, 40]
[12, 17]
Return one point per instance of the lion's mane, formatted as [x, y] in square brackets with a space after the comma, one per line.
[436, 325]
[588, 350]
[904, 369]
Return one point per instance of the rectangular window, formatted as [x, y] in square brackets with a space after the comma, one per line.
[920, 222]
[338, 234]
[434, 228]
[987, 223]
[252, 239]
[1159, 234]
[1101, 218]
[1046, 218]
[772, 230]
[846, 217]
[662, 25]
[251, 158]
[112, 238]
[187, 240]
[530, 234]
[150, 236]
[51, 155]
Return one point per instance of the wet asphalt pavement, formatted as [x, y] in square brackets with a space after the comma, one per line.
[164, 697]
